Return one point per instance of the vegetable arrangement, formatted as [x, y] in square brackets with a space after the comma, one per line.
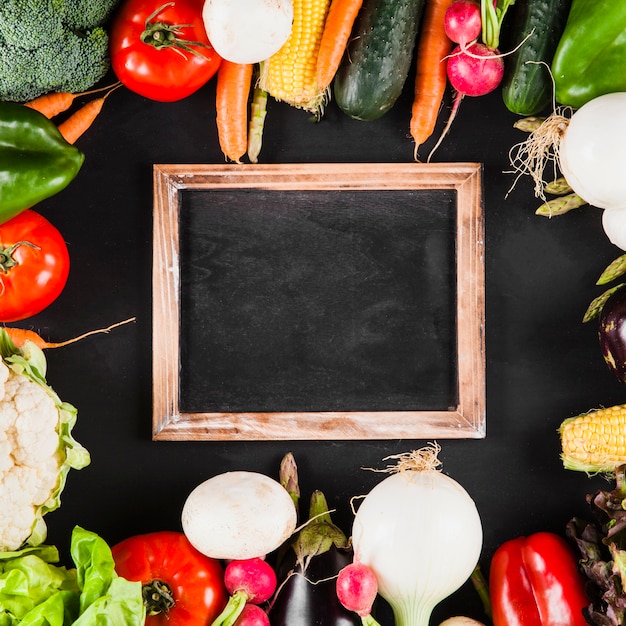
[252, 564]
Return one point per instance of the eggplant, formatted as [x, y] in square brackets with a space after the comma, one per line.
[612, 333]
[307, 574]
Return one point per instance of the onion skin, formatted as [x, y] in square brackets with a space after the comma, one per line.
[612, 333]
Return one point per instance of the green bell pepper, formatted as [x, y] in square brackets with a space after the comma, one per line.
[35, 160]
[590, 59]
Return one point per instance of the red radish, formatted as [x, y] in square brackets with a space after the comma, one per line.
[475, 71]
[357, 589]
[249, 582]
[252, 615]
[253, 578]
[462, 21]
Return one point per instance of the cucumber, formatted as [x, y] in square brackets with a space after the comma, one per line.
[377, 60]
[537, 27]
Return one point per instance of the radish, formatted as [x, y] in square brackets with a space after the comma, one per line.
[476, 70]
[462, 22]
[357, 589]
[253, 578]
[249, 582]
[252, 615]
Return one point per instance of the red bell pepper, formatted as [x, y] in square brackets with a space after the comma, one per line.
[535, 581]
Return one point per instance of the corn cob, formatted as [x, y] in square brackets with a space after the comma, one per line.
[594, 442]
[290, 74]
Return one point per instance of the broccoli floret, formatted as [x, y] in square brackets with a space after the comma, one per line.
[52, 45]
[31, 23]
[87, 14]
[71, 63]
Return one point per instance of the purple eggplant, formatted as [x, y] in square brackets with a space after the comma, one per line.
[306, 589]
[612, 333]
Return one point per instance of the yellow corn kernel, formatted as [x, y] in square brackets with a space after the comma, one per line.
[290, 74]
[594, 442]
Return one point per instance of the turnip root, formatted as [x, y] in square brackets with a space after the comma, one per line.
[238, 515]
[247, 31]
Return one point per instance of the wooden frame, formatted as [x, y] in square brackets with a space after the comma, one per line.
[467, 420]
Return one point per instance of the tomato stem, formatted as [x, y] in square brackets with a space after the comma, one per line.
[157, 597]
[6, 256]
[162, 35]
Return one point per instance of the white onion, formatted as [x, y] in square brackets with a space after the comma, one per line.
[592, 152]
[421, 534]
[238, 515]
[614, 224]
[247, 31]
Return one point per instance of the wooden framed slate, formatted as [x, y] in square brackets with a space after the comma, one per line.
[318, 301]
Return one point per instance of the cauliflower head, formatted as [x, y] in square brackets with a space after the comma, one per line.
[36, 450]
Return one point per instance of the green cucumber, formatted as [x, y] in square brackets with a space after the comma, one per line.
[537, 27]
[377, 60]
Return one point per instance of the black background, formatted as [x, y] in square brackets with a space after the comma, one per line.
[543, 364]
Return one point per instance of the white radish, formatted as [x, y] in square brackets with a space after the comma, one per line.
[238, 515]
[247, 31]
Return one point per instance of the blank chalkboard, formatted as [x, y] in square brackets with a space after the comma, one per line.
[327, 301]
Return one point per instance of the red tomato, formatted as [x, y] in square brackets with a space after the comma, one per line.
[184, 586]
[160, 50]
[34, 265]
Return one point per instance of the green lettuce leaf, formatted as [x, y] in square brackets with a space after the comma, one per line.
[35, 592]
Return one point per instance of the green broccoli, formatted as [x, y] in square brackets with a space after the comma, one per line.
[86, 14]
[52, 45]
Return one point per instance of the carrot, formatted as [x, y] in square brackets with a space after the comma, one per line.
[231, 104]
[79, 122]
[430, 77]
[51, 104]
[335, 36]
[20, 335]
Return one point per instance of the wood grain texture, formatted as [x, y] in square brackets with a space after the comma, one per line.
[467, 420]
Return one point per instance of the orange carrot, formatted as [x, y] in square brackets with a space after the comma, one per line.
[337, 30]
[231, 104]
[51, 104]
[20, 335]
[79, 122]
[430, 78]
